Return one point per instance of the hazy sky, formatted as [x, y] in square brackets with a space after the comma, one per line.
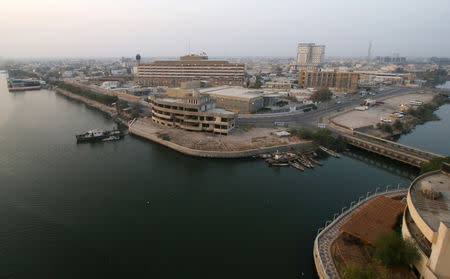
[228, 27]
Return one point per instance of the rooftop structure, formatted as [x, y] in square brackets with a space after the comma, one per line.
[427, 222]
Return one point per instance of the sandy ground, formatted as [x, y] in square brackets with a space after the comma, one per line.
[242, 138]
[372, 116]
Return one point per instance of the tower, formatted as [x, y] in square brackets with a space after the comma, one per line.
[138, 59]
[369, 51]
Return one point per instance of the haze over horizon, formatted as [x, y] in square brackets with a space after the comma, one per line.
[70, 28]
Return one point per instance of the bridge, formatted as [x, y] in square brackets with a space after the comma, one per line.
[387, 148]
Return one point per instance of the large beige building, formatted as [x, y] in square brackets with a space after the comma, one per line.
[309, 56]
[189, 110]
[346, 81]
[189, 68]
[235, 98]
[427, 222]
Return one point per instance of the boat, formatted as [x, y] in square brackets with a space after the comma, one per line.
[315, 161]
[111, 138]
[100, 135]
[297, 166]
[280, 164]
[331, 152]
[311, 166]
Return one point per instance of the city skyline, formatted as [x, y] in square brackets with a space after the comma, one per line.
[221, 28]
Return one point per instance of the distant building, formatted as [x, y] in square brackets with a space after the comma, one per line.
[309, 56]
[426, 222]
[191, 112]
[345, 81]
[391, 59]
[189, 68]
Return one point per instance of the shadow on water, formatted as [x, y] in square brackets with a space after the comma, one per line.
[382, 163]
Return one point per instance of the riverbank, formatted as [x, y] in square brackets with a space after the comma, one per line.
[184, 141]
[105, 109]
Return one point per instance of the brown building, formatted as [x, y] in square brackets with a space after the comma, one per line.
[189, 68]
[347, 81]
[192, 112]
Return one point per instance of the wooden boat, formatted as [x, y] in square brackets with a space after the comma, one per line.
[280, 164]
[331, 152]
[307, 162]
[297, 166]
[315, 161]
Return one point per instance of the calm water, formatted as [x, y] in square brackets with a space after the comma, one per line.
[134, 209]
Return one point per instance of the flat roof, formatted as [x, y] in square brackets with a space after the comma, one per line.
[432, 211]
[170, 100]
[218, 110]
[231, 91]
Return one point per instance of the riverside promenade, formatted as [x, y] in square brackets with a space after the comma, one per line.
[323, 258]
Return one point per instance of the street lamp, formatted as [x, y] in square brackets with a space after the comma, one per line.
[367, 196]
[343, 209]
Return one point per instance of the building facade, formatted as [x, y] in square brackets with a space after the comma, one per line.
[191, 112]
[309, 56]
[346, 81]
[236, 99]
[190, 68]
[426, 222]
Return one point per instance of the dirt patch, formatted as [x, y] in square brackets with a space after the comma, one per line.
[243, 138]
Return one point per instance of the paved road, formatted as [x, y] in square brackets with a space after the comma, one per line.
[311, 118]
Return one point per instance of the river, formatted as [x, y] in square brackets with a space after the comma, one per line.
[132, 208]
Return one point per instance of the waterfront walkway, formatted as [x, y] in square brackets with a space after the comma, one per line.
[323, 257]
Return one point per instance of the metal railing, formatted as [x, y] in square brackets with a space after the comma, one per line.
[329, 268]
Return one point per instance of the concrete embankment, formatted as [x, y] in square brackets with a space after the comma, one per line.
[111, 111]
[140, 131]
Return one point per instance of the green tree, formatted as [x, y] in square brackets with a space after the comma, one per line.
[321, 95]
[135, 110]
[434, 164]
[391, 249]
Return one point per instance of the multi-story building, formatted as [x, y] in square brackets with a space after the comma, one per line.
[237, 99]
[426, 222]
[309, 56]
[191, 112]
[347, 81]
[189, 68]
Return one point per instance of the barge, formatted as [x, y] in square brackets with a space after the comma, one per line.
[100, 135]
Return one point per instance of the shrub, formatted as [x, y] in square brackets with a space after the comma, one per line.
[355, 271]
[391, 249]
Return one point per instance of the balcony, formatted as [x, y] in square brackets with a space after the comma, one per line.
[423, 243]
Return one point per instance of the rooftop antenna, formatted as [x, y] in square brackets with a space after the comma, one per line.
[189, 47]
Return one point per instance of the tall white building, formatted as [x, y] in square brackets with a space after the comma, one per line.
[309, 56]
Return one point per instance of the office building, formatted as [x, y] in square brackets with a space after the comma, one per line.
[345, 81]
[309, 56]
[189, 68]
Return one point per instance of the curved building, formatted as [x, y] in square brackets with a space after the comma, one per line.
[192, 112]
[427, 221]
